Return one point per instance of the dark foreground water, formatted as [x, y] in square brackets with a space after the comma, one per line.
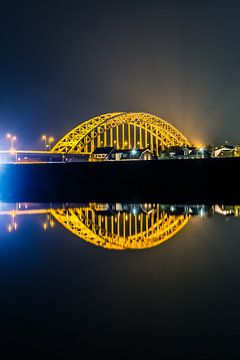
[127, 281]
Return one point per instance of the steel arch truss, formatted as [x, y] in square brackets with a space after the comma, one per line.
[122, 130]
[121, 230]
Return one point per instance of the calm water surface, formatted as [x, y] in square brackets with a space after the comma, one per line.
[120, 280]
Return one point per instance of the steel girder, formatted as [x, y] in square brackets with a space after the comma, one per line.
[83, 138]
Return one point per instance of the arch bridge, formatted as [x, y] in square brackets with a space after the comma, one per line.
[122, 130]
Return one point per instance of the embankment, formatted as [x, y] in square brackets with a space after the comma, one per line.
[165, 181]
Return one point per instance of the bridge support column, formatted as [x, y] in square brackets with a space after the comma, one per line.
[117, 136]
[105, 135]
[151, 138]
[111, 137]
[98, 138]
[129, 136]
[140, 137]
[134, 136]
[146, 137]
[123, 136]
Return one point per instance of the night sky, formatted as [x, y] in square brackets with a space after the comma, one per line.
[63, 62]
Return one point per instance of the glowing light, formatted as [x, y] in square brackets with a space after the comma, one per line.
[52, 223]
[87, 136]
[12, 139]
[12, 151]
[48, 140]
[134, 211]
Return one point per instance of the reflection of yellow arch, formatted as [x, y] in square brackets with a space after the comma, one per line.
[150, 229]
[120, 129]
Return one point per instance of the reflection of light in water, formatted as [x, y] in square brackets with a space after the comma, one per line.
[129, 227]
[117, 226]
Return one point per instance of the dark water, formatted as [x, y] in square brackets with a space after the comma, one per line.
[133, 281]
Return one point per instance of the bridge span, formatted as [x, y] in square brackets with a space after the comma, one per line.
[122, 130]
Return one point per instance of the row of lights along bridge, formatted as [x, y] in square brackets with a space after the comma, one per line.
[47, 140]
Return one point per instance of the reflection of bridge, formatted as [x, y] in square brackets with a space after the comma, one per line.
[142, 227]
[121, 130]
[119, 226]
[113, 226]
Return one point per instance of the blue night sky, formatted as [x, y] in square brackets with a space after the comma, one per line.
[63, 62]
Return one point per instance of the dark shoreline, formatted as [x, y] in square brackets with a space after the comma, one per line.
[166, 181]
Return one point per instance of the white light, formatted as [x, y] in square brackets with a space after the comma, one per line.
[201, 212]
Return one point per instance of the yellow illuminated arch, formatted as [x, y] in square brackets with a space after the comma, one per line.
[122, 130]
[121, 230]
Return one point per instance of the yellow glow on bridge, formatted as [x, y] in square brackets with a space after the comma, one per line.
[121, 130]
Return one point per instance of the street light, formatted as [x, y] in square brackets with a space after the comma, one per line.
[12, 139]
[47, 141]
[50, 140]
[44, 138]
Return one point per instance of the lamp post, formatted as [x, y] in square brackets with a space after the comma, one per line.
[12, 139]
[50, 141]
[44, 139]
